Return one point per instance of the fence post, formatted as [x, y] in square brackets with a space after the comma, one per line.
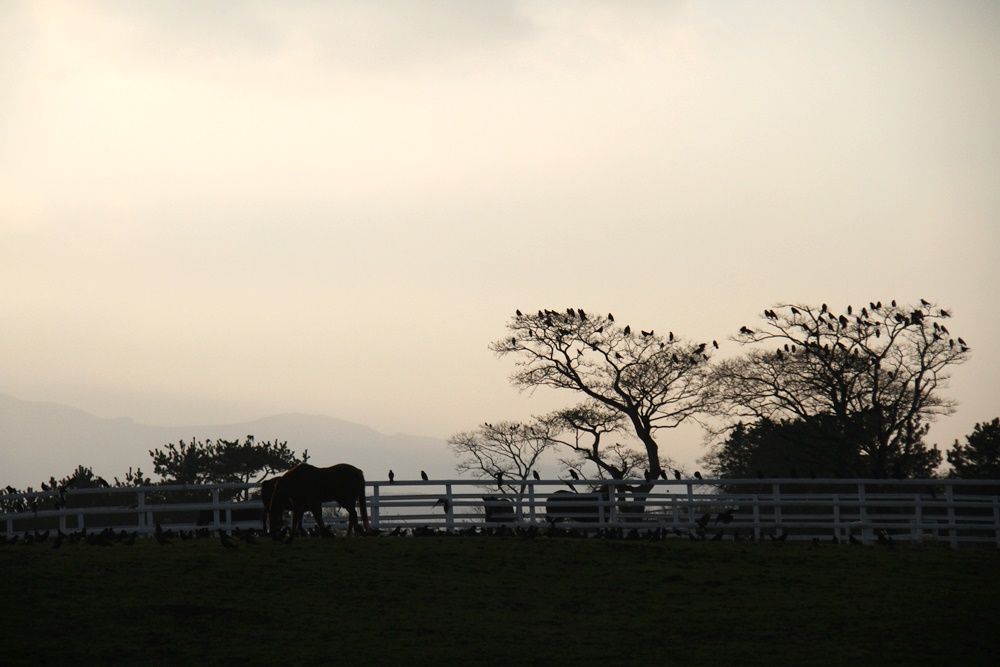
[612, 504]
[140, 509]
[450, 512]
[375, 501]
[531, 503]
[756, 517]
[996, 519]
[776, 507]
[863, 513]
[691, 512]
[838, 524]
[952, 525]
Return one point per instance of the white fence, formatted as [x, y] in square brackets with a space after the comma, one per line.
[953, 512]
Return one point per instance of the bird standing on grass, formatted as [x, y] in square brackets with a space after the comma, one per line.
[227, 542]
[160, 537]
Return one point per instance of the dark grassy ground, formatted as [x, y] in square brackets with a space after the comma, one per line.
[493, 601]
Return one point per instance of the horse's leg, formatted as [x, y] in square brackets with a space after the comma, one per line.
[352, 519]
[298, 511]
[317, 512]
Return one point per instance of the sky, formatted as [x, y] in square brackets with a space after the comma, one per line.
[213, 212]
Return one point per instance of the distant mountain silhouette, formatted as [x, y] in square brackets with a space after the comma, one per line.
[39, 440]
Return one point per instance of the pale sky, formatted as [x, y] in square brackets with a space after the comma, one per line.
[217, 211]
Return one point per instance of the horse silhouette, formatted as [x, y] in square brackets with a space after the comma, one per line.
[305, 488]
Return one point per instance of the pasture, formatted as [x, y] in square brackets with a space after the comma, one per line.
[496, 600]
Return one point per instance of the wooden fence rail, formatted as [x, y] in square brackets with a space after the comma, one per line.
[955, 512]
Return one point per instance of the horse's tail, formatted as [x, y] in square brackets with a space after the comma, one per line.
[276, 506]
[361, 501]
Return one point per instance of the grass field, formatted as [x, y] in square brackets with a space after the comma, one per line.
[497, 601]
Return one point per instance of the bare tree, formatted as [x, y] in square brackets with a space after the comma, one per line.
[877, 369]
[506, 452]
[582, 430]
[653, 381]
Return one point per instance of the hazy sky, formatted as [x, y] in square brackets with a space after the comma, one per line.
[217, 211]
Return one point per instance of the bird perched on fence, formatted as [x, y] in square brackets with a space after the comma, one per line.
[697, 474]
[392, 477]
[534, 473]
[444, 503]
[423, 475]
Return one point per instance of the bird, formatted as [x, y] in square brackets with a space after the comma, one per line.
[925, 303]
[518, 313]
[159, 535]
[572, 473]
[499, 478]
[423, 475]
[392, 477]
[611, 318]
[715, 344]
[677, 474]
[444, 503]
[628, 330]
[724, 517]
[226, 541]
[534, 473]
[697, 474]
[663, 473]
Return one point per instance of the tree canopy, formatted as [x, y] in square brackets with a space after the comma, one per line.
[815, 447]
[653, 381]
[877, 370]
[223, 460]
[979, 457]
[506, 451]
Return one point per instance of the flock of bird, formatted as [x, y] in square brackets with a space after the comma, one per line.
[865, 323]
[861, 325]
[500, 477]
[231, 540]
[109, 537]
